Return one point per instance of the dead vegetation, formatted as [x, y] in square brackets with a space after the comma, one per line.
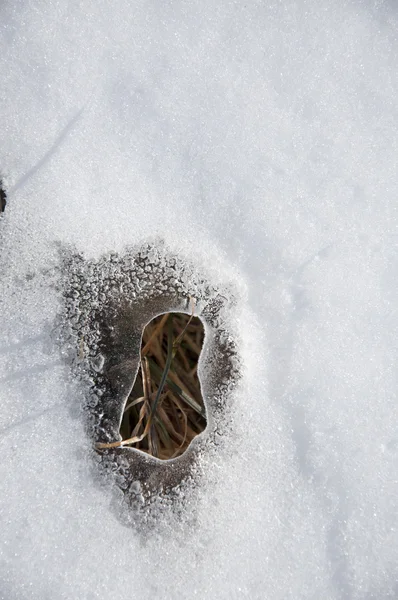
[165, 410]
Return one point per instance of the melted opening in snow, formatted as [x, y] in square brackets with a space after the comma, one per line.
[165, 409]
[108, 304]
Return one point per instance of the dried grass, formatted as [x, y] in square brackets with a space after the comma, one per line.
[165, 410]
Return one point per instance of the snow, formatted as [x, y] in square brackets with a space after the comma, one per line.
[259, 141]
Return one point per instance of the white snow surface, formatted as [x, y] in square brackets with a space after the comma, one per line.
[260, 141]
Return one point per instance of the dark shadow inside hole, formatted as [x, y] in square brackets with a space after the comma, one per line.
[165, 410]
[3, 197]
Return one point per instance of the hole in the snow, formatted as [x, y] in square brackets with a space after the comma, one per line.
[3, 197]
[165, 410]
[108, 303]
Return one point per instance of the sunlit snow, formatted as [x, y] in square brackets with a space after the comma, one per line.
[259, 141]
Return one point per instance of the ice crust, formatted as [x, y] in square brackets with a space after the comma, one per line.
[107, 304]
[259, 141]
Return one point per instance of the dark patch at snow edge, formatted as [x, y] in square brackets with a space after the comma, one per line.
[107, 304]
[3, 197]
